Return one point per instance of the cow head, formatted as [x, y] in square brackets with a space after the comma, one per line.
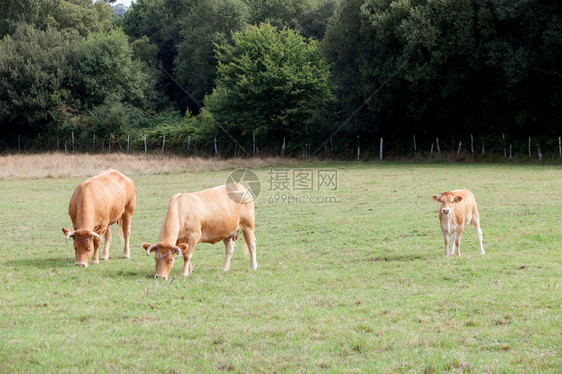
[83, 244]
[164, 256]
[447, 200]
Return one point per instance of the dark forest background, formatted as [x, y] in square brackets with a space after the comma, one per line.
[325, 76]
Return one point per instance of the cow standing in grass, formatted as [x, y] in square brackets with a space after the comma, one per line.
[96, 204]
[458, 208]
[207, 216]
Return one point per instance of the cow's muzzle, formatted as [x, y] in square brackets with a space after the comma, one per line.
[81, 264]
[160, 277]
[445, 211]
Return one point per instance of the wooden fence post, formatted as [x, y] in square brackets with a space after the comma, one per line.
[283, 148]
[381, 150]
[559, 147]
[510, 150]
[483, 149]
[144, 143]
[471, 144]
[459, 150]
[188, 142]
[73, 142]
[19, 143]
[539, 152]
[431, 152]
[94, 143]
[254, 143]
[216, 148]
[415, 148]
[128, 143]
[358, 148]
[529, 147]
[163, 142]
[437, 142]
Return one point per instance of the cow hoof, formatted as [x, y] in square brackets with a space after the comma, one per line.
[126, 256]
[224, 269]
[95, 262]
[184, 274]
[254, 267]
[105, 258]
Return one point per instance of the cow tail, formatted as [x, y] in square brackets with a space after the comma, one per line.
[245, 245]
[121, 235]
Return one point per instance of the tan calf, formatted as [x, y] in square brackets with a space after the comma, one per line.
[458, 208]
[207, 216]
[96, 204]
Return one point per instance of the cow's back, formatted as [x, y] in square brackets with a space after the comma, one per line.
[101, 198]
[466, 209]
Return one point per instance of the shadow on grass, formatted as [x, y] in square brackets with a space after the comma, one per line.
[394, 258]
[42, 263]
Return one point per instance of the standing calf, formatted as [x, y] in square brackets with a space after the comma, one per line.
[96, 204]
[207, 216]
[458, 208]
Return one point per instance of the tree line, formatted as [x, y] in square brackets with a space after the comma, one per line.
[321, 76]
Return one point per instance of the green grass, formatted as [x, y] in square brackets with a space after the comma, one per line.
[359, 285]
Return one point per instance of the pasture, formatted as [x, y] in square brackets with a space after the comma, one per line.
[358, 284]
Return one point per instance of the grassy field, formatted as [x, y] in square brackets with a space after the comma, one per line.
[355, 285]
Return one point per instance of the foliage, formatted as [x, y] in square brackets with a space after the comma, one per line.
[35, 70]
[210, 24]
[105, 71]
[270, 81]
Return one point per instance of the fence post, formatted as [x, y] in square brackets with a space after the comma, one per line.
[163, 142]
[459, 150]
[381, 150]
[19, 143]
[510, 150]
[144, 143]
[559, 147]
[504, 148]
[529, 147]
[128, 142]
[539, 152]
[283, 148]
[73, 142]
[94, 143]
[483, 149]
[188, 142]
[358, 148]
[437, 142]
[415, 148]
[110, 136]
[254, 143]
[431, 152]
[216, 148]
[471, 144]
[65, 146]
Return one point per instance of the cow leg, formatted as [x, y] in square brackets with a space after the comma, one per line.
[251, 243]
[452, 243]
[458, 235]
[229, 250]
[476, 222]
[126, 229]
[446, 239]
[105, 255]
[191, 244]
[97, 243]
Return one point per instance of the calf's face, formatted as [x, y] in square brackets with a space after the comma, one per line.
[447, 200]
[83, 244]
[164, 256]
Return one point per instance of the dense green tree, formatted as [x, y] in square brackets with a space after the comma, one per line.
[210, 24]
[105, 70]
[35, 70]
[270, 81]
[81, 16]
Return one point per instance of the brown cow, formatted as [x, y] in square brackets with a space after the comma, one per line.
[96, 204]
[458, 208]
[207, 216]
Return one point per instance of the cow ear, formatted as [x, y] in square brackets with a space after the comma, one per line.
[65, 231]
[436, 197]
[456, 199]
[145, 246]
[183, 247]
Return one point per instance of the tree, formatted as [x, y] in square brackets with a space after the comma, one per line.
[105, 71]
[209, 25]
[270, 81]
[35, 75]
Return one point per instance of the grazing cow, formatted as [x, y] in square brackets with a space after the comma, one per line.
[207, 216]
[96, 204]
[458, 208]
